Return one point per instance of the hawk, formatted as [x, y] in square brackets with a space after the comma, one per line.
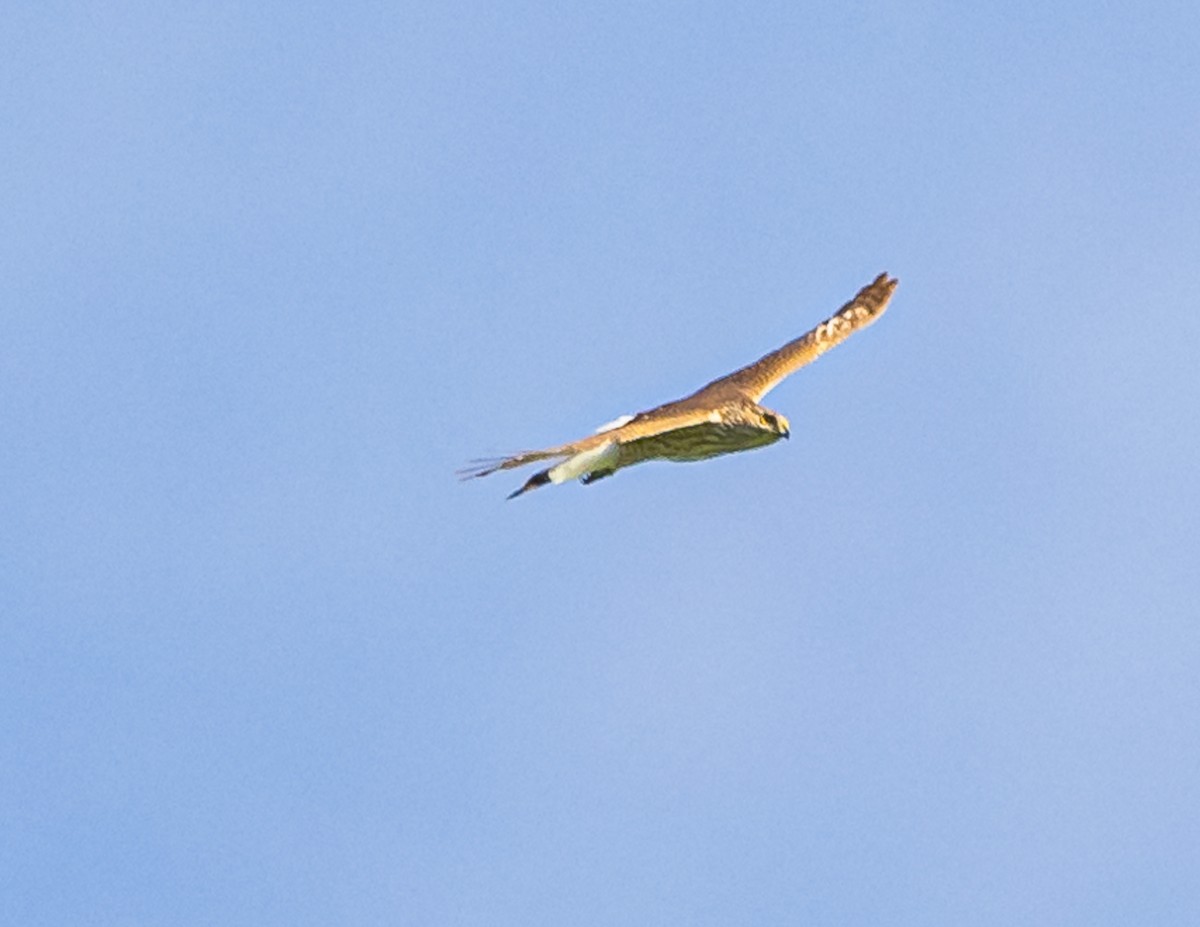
[719, 418]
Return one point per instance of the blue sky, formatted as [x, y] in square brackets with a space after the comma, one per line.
[271, 274]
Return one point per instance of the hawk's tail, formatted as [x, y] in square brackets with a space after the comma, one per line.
[541, 478]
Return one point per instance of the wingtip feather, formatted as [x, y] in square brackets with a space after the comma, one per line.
[477, 468]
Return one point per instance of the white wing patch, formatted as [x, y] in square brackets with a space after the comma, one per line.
[603, 457]
[614, 424]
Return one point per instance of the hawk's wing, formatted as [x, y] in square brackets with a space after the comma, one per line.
[665, 418]
[757, 379]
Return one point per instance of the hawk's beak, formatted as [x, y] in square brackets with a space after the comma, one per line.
[787, 434]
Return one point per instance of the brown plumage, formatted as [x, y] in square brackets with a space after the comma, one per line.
[722, 417]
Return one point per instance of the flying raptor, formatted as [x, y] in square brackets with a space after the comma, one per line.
[719, 418]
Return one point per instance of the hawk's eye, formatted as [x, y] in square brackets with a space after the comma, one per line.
[771, 420]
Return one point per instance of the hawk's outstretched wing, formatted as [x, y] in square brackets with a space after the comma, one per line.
[757, 379]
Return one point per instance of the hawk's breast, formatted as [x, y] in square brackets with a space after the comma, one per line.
[696, 442]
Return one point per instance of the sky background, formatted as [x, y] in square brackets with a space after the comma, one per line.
[269, 273]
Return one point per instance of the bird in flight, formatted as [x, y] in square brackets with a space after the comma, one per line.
[720, 418]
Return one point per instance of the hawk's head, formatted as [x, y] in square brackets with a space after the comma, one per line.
[752, 415]
[773, 421]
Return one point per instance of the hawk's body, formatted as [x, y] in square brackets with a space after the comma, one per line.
[722, 417]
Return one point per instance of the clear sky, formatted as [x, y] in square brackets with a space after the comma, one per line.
[269, 273]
